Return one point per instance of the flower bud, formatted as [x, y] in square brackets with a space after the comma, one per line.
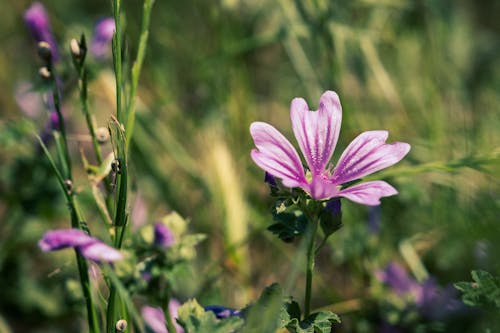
[121, 325]
[44, 51]
[44, 73]
[75, 48]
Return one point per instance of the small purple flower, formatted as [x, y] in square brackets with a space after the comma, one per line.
[222, 312]
[163, 236]
[317, 133]
[334, 207]
[100, 46]
[37, 20]
[269, 179]
[154, 318]
[431, 301]
[89, 247]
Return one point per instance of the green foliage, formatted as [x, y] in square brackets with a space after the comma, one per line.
[290, 221]
[194, 319]
[318, 322]
[483, 291]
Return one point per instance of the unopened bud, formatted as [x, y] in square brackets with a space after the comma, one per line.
[44, 51]
[74, 47]
[69, 185]
[121, 325]
[102, 135]
[44, 73]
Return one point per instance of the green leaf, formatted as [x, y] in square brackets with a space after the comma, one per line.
[193, 318]
[265, 315]
[290, 222]
[484, 291]
[318, 322]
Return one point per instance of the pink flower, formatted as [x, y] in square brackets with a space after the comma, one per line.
[155, 318]
[317, 133]
[89, 247]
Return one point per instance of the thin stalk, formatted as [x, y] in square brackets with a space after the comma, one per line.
[117, 58]
[136, 69]
[82, 82]
[168, 317]
[311, 234]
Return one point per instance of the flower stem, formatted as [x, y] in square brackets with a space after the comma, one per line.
[168, 316]
[311, 234]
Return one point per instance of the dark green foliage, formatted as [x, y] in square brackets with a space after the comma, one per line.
[483, 291]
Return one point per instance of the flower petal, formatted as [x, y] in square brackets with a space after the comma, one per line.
[368, 193]
[100, 252]
[317, 131]
[276, 155]
[367, 154]
[62, 238]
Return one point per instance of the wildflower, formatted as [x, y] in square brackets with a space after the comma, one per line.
[104, 30]
[317, 134]
[37, 20]
[155, 318]
[89, 247]
[222, 312]
[432, 302]
[163, 237]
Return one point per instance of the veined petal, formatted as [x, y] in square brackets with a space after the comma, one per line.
[276, 155]
[317, 132]
[367, 154]
[62, 238]
[368, 193]
[321, 187]
[100, 252]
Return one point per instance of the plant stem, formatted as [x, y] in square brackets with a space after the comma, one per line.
[166, 310]
[311, 234]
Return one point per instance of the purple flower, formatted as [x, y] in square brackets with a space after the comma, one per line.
[222, 312]
[37, 20]
[100, 46]
[89, 247]
[155, 318]
[163, 236]
[431, 301]
[317, 133]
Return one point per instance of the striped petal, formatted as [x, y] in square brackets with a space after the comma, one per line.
[368, 193]
[276, 155]
[317, 132]
[367, 154]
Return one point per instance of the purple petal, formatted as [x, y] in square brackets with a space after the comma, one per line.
[154, 319]
[104, 30]
[317, 131]
[37, 20]
[321, 187]
[62, 238]
[397, 278]
[367, 154]
[163, 236]
[99, 252]
[276, 155]
[222, 312]
[368, 193]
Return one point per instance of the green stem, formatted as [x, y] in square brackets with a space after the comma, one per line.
[168, 317]
[117, 59]
[311, 234]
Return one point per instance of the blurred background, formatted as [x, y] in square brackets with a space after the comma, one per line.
[426, 71]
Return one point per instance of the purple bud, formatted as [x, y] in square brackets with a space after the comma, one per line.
[103, 34]
[334, 207]
[37, 20]
[163, 235]
[89, 247]
[222, 312]
[268, 178]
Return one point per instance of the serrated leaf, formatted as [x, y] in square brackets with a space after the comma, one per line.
[194, 319]
[319, 322]
[485, 290]
[264, 315]
[290, 222]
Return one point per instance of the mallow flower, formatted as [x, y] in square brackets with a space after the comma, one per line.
[154, 318]
[317, 133]
[89, 247]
